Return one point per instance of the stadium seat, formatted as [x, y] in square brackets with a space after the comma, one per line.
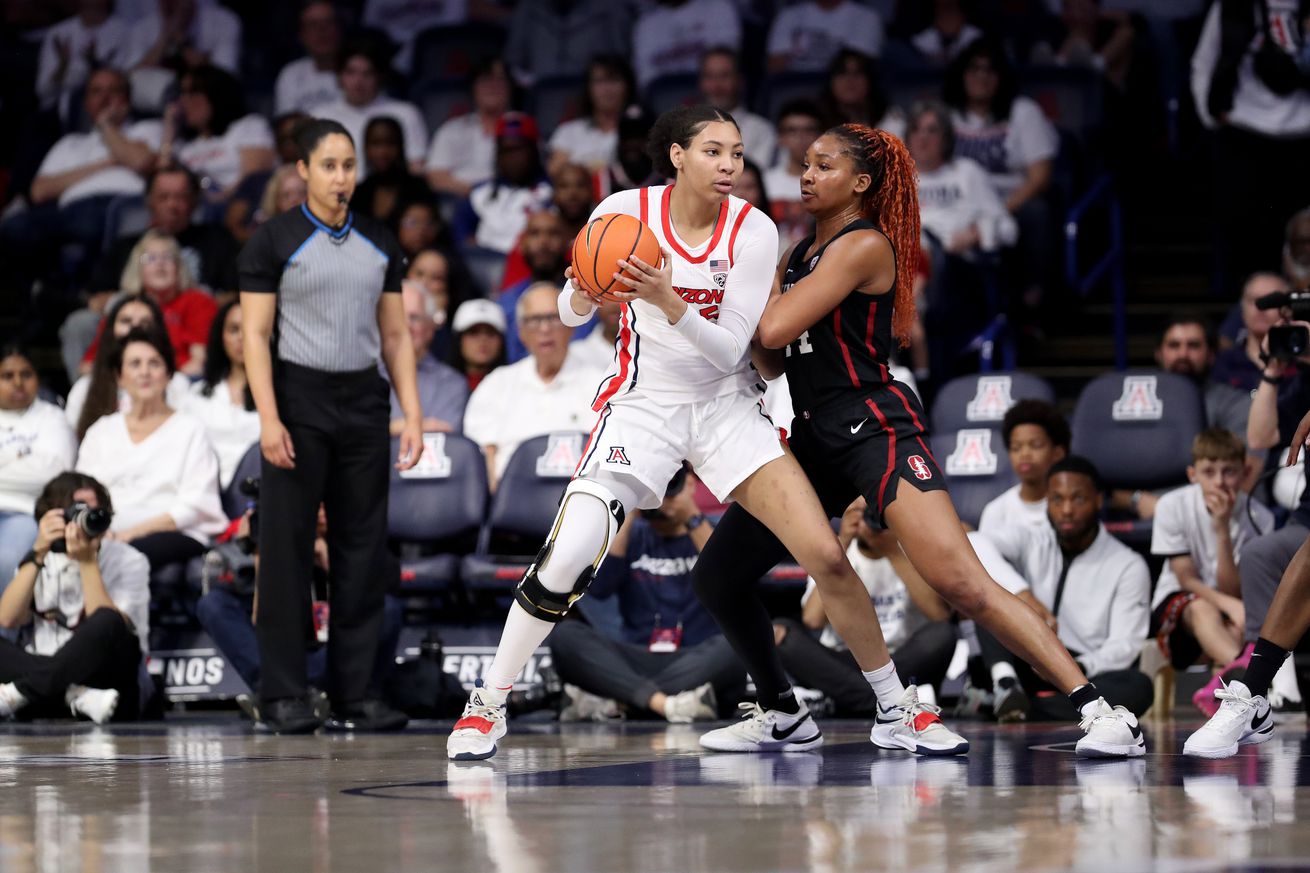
[451, 51]
[249, 467]
[126, 215]
[523, 509]
[436, 510]
[977, 468]
[672, 91]
[1137, 427]
[981, 400]
[439, 99]
[554, 100]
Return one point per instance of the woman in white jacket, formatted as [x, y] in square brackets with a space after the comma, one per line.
[159, 466]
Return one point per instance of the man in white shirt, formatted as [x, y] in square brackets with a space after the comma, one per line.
[1036, 437]
[83, 606]
[1201, 530]
[78, 178]
[463, 150]
[70, 50]
[1092, 590]
[360, 76]
[311, 82]
[914, 619]
[804, 37]
[188, 33]
[721, 86]
[670, 38]
[546, 392]
[597, 347]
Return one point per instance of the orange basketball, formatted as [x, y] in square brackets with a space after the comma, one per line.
[604, 242]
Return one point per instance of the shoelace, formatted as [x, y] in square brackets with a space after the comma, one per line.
[1227, 696]
[910, 713]
[752, 711]
[1103, 712]
[482, 710]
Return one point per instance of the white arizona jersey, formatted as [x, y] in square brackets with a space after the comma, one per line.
[725, 281]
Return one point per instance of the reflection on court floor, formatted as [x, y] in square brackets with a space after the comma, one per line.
[201, 797]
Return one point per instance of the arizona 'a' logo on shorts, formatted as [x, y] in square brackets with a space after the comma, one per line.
[920, 467]
[618, 455]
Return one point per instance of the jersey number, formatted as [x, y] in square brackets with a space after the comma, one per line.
[802, 344]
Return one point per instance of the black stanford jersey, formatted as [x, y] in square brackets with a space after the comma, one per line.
[843, 357]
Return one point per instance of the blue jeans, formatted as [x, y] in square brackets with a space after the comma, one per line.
[17, 534]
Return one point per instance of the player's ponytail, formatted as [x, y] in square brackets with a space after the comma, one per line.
[892, 204]
[680, 125]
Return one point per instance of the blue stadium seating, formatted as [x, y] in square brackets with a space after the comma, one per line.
[981, 400]
[555, 99]
[451, 51]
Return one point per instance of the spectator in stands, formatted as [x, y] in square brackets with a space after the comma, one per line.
[496, 211]
[79, 177]
[464, 148]
[572, 198]
[672, 659]
[157, 464]
[1036, 438]
[722, 86]
[360, 74]
[1010, 137]
[404, 20]
[590, 138]
[1240, 365]
[804, 37]
[1296, 249]
[670, 37]
[854, 95]
[221, 400]
[596, 349]
[479, 342]
[544, 244]
[962, 219]
[1092, 589]
[97, 392]
[84, 615]
[1201, 530]
[418, 225]
[442, 281]
[1086, 35]
[1187, 348]
[545, 392]
[914, 619]
[390, 181]
[799, 123]
[209, 251]
[442, 390]
[188, 33]
[283, 190]
[157, 270]
[36, 443]
[209, 132]
[76, 47]
[948, 33]
[558, 39]
[309, 83]
[749, 186]
[632, 167]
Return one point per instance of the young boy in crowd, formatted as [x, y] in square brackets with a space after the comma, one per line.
[1036, 436]
[1200, 530]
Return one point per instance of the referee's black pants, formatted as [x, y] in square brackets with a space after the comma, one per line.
[338, 425]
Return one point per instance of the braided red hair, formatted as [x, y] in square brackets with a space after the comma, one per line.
[892, 204]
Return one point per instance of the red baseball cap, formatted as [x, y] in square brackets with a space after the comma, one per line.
[518, 124]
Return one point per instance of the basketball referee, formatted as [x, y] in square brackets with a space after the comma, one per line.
[320, 300]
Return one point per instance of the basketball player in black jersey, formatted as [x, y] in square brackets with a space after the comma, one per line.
[841, 298]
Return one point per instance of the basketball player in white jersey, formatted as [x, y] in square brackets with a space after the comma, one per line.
[682, 387]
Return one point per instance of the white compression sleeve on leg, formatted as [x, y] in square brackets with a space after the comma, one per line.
[583, 530]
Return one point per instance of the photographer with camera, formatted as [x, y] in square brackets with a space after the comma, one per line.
[82, 604]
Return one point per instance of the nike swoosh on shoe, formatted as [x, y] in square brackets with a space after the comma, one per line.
[782, 735]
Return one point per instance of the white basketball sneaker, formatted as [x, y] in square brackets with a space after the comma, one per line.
[1110, 732]
[915, 727]
[474, 736]
[97, 704]
[1243, 719]
[762, 730]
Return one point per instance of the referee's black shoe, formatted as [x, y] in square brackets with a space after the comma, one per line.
[290, 715]
[366, 716]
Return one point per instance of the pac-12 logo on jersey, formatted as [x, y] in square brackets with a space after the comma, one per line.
[618, 455]
[920, 467]
[719, 272]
